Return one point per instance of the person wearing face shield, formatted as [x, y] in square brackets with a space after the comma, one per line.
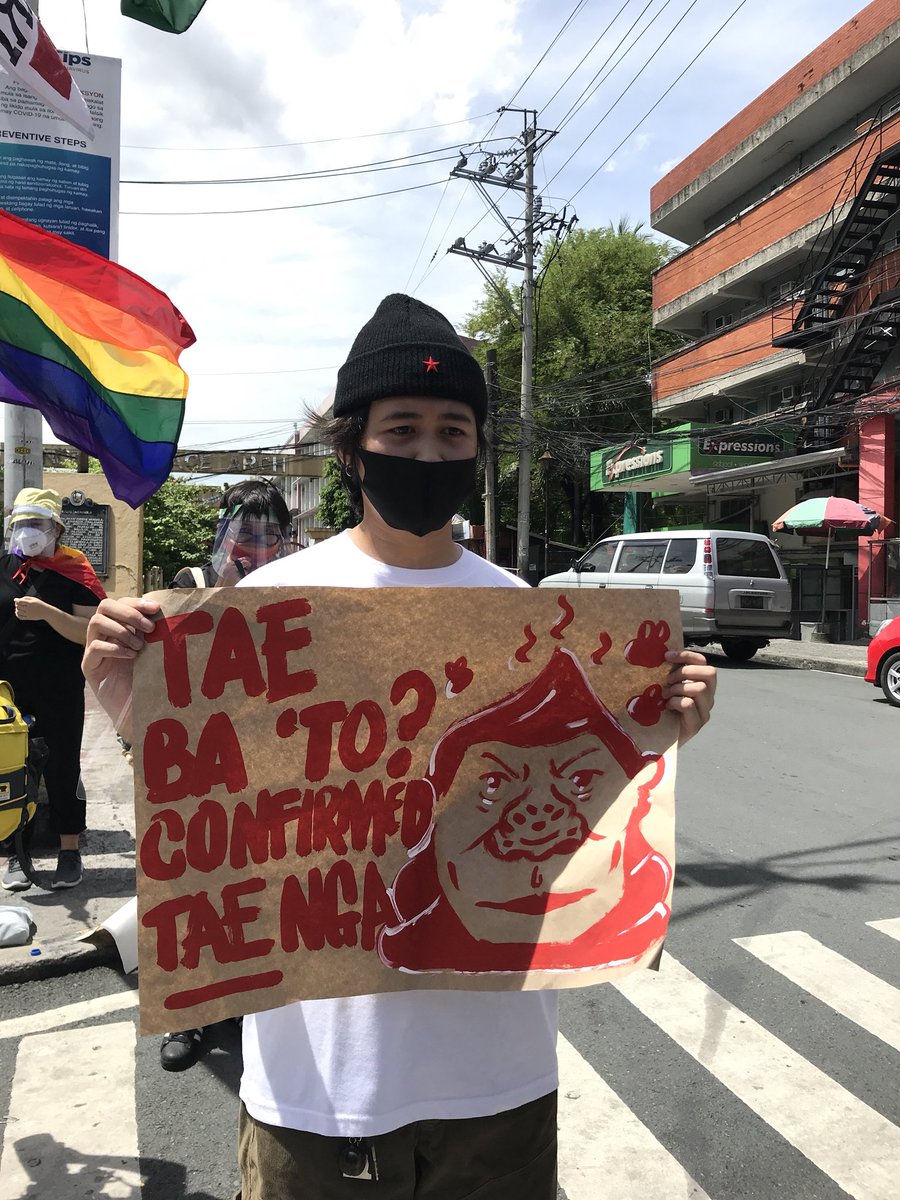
[430, 1092]
[48, 591]
[253, 529]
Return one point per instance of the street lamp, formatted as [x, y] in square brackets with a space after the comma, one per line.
[546, 460]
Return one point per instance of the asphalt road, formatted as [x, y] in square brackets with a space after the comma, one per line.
[725, 1076]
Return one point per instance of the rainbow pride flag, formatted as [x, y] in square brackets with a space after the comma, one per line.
[94, 348]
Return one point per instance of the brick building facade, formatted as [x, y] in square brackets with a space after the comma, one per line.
[788, 297]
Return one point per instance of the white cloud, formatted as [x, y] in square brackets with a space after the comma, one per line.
[287, 290]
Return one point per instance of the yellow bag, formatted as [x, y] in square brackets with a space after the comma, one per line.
[17, 801]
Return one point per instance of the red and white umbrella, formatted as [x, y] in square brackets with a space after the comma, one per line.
[822, 514]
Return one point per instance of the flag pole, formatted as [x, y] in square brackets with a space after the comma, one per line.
[23, 438]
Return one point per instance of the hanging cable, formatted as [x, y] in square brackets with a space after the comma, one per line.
[654, 106]
[354, 137]
[632, 81]
[233, 212]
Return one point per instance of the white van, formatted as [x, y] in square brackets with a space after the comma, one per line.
[732, 585]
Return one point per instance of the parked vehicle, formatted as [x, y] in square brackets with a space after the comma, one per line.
[883, 663]
[732, 585]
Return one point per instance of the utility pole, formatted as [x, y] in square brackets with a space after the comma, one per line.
[23, 438]
[513, 171]
[523, 520]
[490, 460]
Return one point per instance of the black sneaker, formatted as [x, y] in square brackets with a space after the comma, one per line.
[15, 879]
[178, 1051]
[68, 869]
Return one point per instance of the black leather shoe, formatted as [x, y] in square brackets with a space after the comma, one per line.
[178, 1051]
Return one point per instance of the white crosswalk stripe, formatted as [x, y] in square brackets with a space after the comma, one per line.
[851, 1142]
[80, 1136]
[627, 1152]
[856, 994]
[890, 927]
[69, 1014]
[72, 1127]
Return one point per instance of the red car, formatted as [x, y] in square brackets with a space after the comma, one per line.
[884, 660]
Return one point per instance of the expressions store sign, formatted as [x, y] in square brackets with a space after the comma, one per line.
[636, 462]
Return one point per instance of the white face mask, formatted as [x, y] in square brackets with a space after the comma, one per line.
[31, 541]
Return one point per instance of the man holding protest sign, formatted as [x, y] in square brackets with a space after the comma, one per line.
[433, 1093]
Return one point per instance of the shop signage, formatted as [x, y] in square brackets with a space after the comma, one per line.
[634, 462]
[741, 446]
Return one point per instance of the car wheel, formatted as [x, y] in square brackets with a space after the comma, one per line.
[740, 649]
[889, 678]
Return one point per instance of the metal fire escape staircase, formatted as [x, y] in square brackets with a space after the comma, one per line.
[852, 375]
[854, 246]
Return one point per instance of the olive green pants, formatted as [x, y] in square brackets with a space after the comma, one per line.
[509, 1156]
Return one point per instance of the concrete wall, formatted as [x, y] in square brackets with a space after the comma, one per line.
[126, 529]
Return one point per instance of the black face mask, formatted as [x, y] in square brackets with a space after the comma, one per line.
[417, 497]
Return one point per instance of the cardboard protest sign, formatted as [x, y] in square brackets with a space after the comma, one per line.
[345, 791]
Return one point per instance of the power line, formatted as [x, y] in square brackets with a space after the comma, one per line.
[600, 77]
[234, 212]
[587, 55]
[654, 106]
[438, 154]
[571, 17]
[632, 81]
[354, 137]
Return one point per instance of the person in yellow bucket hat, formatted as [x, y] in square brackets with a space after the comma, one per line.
[48, 592]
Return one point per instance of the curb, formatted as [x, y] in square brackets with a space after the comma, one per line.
[800, 662]
[55, 960]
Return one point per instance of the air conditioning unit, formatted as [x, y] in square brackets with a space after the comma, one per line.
[723, 321]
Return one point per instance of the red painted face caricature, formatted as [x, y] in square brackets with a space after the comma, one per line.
[542, 773]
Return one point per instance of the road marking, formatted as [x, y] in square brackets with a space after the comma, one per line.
[891, 927]
[68, 1014]
[80, 1081]
[840, 1134]
[855, 993]
[627, 1155]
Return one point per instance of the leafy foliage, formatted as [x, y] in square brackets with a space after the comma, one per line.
[179, 524]
[334, 504]
[594, 341]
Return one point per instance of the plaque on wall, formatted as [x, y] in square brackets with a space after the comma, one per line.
[87, 529]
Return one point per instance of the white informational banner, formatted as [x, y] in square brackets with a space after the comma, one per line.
[50, 173]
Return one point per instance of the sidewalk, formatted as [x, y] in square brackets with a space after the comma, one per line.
[61, 917]
[108, 846]
[813, 656]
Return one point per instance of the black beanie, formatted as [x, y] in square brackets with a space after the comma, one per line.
[408, 349]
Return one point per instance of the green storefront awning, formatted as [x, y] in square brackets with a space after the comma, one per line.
[675, 462]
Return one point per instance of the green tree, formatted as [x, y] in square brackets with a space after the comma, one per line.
[179, 523]
[334, 503]
[594, 342]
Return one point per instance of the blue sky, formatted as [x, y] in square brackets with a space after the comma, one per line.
[275, 297]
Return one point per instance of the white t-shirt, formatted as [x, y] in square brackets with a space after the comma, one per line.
[364, 1065]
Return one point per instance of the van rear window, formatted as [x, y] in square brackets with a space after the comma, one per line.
[741, 556]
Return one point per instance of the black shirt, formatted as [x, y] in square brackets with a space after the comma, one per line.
[185, 577]
[33, 648]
